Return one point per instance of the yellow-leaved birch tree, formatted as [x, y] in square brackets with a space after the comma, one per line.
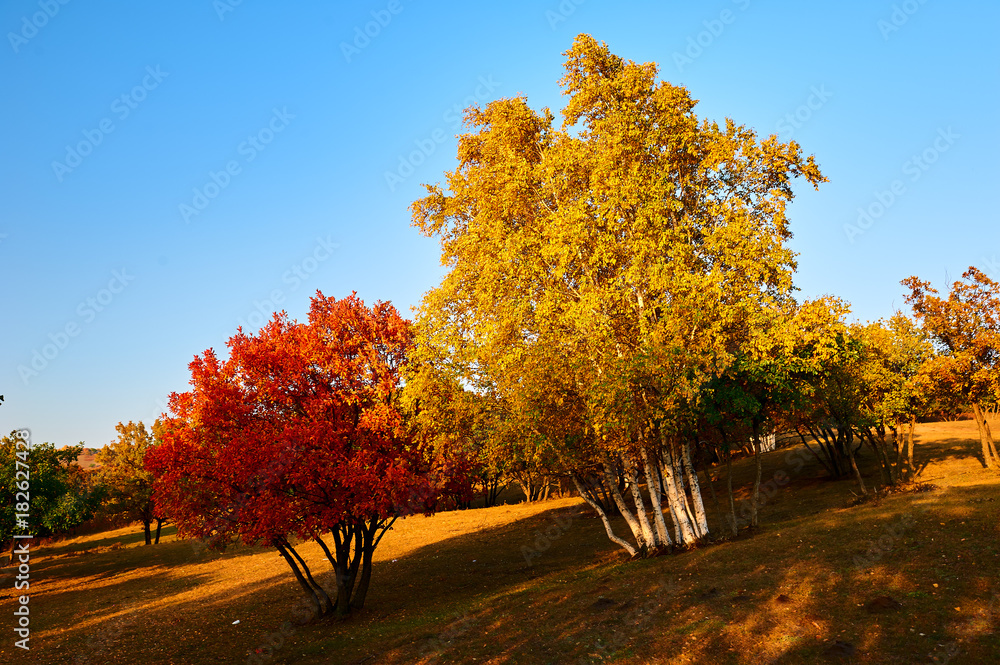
[601, 271]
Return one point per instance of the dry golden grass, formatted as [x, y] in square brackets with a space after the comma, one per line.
[457, 588]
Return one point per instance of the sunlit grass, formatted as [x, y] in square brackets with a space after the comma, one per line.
[457, 588]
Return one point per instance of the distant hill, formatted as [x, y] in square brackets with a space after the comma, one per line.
[87, 458]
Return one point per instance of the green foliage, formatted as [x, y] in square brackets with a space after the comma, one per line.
[60, 497]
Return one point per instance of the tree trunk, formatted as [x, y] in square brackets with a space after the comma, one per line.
[898, 450]
[145, 528]
[640, 508]
[604, 518]
[729, 489]
[989, 440]
[909, 444]
[675, 499]
[880, 455]
[653, 485]
[701, 519]
[990, 457]
[671, 508]
[755, 500]
[351, 579]
[298, 576]
[368, 548]
[630, 519]
[343, 537]
[819, 435]
[678, 466]
[715, 497]
[320, 592]
[159, 525]
[987, 458]
[854, 467]
[607, 503]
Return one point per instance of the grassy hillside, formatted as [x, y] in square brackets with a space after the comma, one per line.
[912, 577]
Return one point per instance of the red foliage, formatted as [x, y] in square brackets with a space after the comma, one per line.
[299, 432]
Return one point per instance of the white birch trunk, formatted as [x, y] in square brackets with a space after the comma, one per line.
[676, 500]
[701, 520]
[653, 483]
[633, 523]
[681, 488]
[670, 509]
[640, 507]
[624, 544]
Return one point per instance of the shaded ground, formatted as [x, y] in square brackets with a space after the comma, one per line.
[911, 578]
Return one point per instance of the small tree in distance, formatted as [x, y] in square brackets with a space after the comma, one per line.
[127, 483]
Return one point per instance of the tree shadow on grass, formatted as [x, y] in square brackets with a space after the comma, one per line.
[807, 507]
[126, 539]
[101, 557]
[153, 617]
[549, 588]
[925, 553]
[787, 594]
[127, 605]
[458, 601]
[785, 598]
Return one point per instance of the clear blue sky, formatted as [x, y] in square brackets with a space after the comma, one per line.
[308, 129]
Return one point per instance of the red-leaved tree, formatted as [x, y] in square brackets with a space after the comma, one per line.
[298, 436]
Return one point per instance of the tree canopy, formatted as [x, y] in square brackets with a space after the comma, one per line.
[966, 328]
[299, 435]
[128, 485]
[601, 272]
[54, 491]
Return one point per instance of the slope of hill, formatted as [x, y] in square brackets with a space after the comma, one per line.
[906, 579]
